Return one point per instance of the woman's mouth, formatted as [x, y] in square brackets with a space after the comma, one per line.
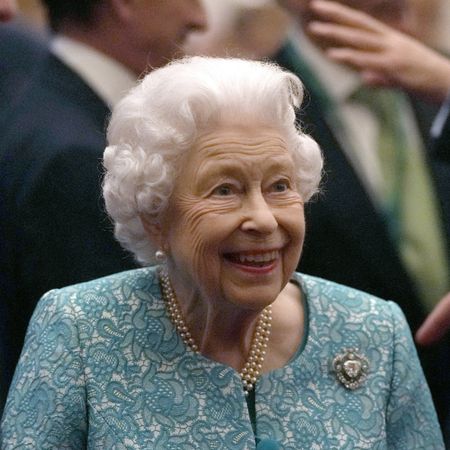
[253, 259]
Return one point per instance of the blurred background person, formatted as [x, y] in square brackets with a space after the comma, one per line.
[251, 29]
[22, 46]
[387, 57]
[367, 229]
[54, 229]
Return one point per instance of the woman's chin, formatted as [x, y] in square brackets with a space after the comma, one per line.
[252, 285]
[249, 294]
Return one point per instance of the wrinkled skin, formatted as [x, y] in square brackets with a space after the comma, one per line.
[236, 199]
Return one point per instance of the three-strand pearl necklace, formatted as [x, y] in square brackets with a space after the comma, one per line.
[253, 366]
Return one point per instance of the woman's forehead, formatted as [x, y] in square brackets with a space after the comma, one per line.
[223, 148]
[239, 137]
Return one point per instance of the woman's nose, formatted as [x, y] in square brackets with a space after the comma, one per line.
[258, 215]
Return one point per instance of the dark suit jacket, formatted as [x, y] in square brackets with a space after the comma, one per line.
[53, 228]
[347, 240]
[22, 48]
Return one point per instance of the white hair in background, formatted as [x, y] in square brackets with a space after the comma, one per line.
[159, 121]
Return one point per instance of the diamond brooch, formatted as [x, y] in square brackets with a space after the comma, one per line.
[351, 368]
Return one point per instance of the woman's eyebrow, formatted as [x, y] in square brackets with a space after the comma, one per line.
[226, 163]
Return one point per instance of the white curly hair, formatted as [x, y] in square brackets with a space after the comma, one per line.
[159, 120]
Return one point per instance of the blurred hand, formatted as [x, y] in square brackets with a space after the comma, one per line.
[436, 324]
[383, 55]
[8, 9]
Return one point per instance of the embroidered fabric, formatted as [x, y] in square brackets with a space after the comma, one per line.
[103, 367]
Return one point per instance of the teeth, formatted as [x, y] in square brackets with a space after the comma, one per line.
[259, 257]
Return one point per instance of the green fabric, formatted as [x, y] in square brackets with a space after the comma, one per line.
[409, 201]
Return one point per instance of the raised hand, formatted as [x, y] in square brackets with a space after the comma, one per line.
[436, 324]
[383, 55]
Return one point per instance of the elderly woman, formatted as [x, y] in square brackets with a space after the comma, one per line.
[221, 345]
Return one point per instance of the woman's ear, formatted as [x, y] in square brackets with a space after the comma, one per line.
[153, 230]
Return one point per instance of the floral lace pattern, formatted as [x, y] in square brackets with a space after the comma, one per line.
[103, 368]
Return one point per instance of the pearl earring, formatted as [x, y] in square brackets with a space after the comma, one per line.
[160, 256]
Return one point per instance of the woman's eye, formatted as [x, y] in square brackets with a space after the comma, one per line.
[281, 186]
[223, 190]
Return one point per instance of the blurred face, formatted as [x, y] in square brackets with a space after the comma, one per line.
[160, 27]
[235, 223]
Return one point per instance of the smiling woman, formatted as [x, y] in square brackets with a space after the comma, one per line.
[237, 219]
[220, 344]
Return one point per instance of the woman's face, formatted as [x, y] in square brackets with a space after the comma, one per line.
[235, 224]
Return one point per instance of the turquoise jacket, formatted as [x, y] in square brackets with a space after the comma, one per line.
[103, 368]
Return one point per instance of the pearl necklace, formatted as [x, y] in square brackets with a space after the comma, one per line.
[253, 366]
